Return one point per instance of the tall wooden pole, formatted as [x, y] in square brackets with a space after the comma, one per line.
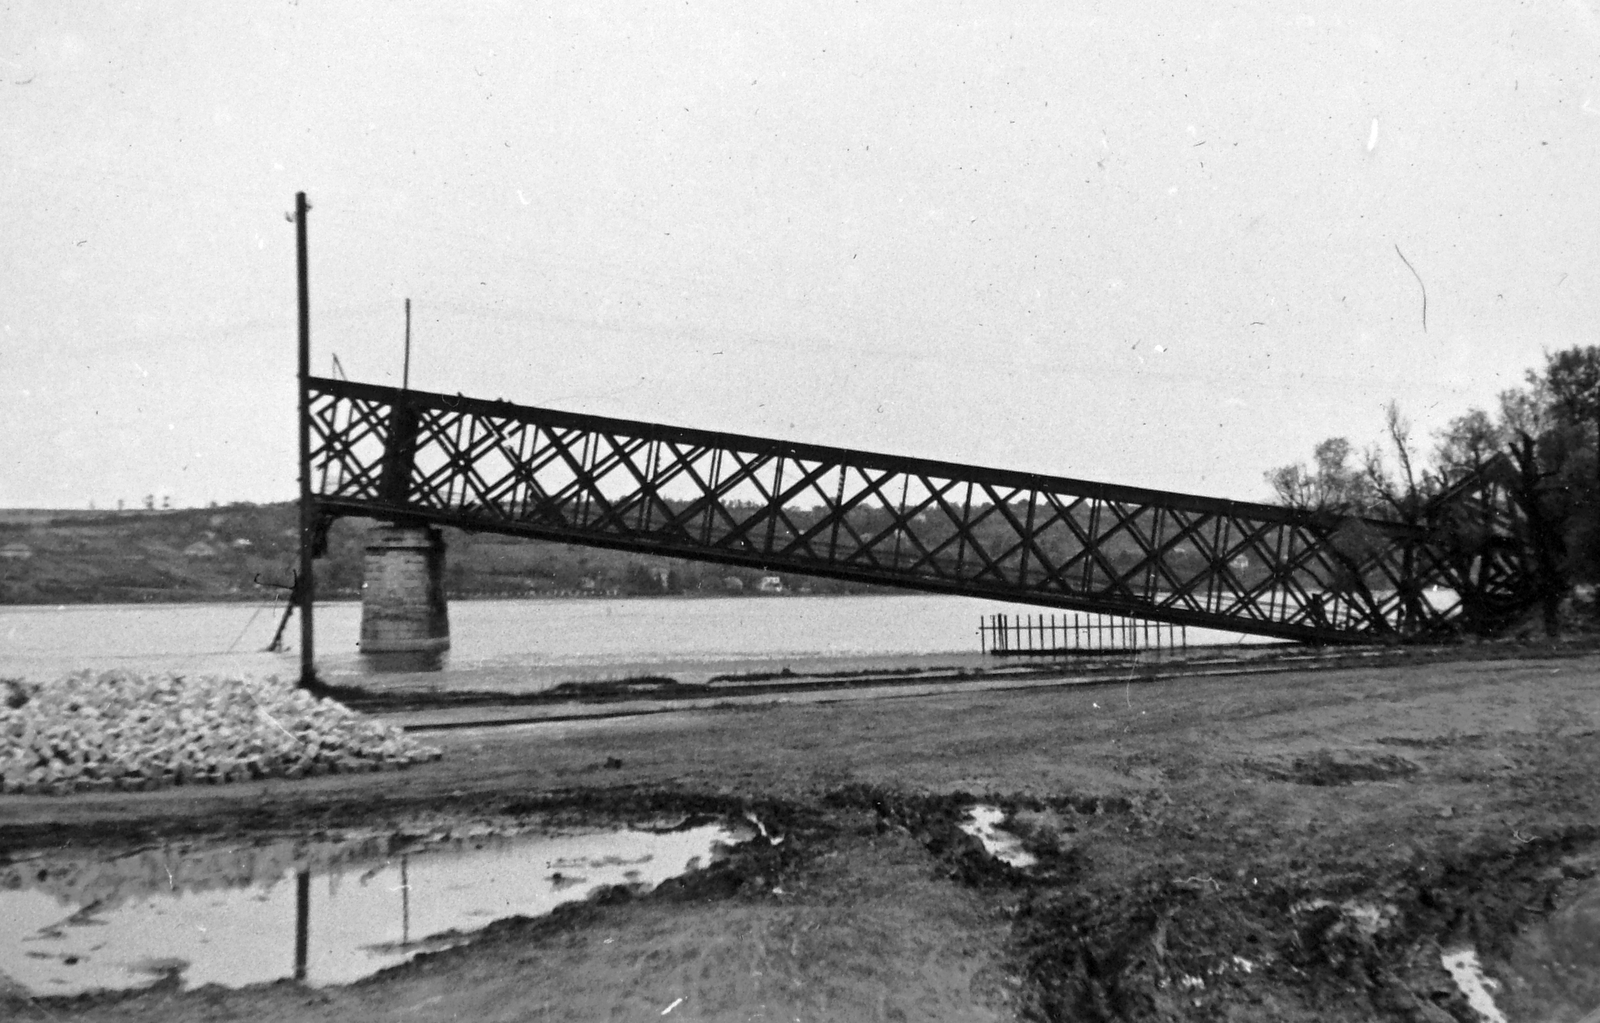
[308, 672]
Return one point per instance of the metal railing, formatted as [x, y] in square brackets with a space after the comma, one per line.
[1035, 635]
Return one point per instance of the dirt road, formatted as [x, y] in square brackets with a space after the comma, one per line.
[1298, 846]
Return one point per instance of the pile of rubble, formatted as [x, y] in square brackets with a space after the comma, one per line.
[119, 730]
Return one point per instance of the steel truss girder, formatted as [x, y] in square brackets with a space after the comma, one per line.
[896, 521]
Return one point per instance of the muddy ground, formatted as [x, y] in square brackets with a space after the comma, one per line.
[1294, 846]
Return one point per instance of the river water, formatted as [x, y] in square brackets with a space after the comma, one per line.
[527, 645]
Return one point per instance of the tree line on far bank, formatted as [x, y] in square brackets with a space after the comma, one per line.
[1542, 440]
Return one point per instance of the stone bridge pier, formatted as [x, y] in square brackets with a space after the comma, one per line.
[403, 608]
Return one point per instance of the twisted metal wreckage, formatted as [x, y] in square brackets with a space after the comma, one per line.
[426, 459]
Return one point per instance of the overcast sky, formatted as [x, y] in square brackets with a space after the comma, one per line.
[1152, 244]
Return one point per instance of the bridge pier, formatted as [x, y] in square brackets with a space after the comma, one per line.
[403, 608]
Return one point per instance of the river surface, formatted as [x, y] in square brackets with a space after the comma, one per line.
[528, 645]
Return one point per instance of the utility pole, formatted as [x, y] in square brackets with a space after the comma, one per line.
[308, 671]
[405, 374]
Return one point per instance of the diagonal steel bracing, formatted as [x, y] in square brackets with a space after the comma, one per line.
[908, 522]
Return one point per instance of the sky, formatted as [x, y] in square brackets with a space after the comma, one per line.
[1154, 244]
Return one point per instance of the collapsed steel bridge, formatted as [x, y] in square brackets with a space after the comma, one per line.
[420, 458]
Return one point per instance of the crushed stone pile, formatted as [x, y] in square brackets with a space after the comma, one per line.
[117, 730]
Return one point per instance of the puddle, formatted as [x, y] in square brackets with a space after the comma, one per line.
[327, 913]
[1478, 987]
[1467, 972]
[1002, 845]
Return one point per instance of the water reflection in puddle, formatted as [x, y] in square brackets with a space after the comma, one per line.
[328, 913]
[983, 823]
[1479, 988]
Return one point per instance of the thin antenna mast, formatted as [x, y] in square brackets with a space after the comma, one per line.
[405, 376]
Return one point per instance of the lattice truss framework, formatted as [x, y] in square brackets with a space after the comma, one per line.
[897, 521]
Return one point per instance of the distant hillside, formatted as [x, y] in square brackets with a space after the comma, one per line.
[201, 554]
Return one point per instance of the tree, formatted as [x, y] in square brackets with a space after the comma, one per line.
[1540, 445]
[1333, 486]
[1499, 453]
[1562, 410]
[1402, 493]
[1572, 381]
[1468, 445]
[1548, 513]
[1396, 483]
[1527, 410]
